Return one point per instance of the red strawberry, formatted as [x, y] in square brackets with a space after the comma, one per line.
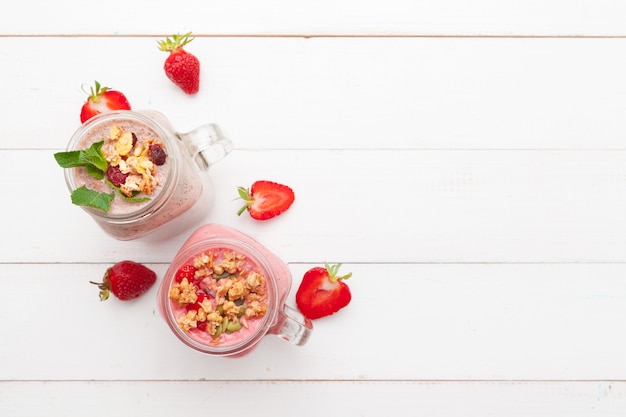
[102, 100]
[185, 271]
[322, 292]
[266, 199]
[197, 305]
[181, 67]
[126, 280]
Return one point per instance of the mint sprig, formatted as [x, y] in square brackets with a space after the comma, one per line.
[96, 165]
[90, 158]
[83, 196]
[93, 157]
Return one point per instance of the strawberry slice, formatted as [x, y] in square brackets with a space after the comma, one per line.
[266, 199]
[102, 100]
[322, 292]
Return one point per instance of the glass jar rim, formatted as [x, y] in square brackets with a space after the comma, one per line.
[173, 156]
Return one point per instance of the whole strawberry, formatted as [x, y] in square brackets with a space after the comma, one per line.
[322, 292]
[182, 67]
[126, 280]
[102, 100]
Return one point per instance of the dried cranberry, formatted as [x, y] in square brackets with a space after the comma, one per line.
[116, 176]
[157, 154]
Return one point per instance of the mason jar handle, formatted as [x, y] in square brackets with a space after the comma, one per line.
[292, 326]
[206, 144]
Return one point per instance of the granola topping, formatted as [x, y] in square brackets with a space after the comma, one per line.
[225, 293]
[130, 154]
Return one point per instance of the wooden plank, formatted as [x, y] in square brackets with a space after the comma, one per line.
[324, 17]
[415, 93]
[360, 206]
[406, 322]
[284, 398]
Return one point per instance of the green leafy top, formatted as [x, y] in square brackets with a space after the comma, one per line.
[175, 42]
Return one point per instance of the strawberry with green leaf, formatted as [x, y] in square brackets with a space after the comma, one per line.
[266, 199]
[322, 292]
[102, 100]
[181, 67]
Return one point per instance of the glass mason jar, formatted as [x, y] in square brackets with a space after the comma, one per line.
[179, 183]
[217, 244]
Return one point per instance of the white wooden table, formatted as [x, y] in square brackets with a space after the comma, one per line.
[465, 159]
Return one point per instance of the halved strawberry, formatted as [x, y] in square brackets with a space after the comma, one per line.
[102, 100]
[266, 199]
[322, 292]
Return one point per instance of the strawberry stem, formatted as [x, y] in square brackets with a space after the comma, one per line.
[104, 286]
[174, 42]
[104, 290]
[333, 270]
[244, 194]
[95, 93]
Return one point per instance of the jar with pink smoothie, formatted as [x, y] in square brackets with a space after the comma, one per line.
[224, 292]
[132, 172]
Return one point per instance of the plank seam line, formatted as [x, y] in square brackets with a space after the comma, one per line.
[364, 381]
[317, 35]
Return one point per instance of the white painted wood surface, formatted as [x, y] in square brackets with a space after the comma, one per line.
[465, 159]
[321, 17]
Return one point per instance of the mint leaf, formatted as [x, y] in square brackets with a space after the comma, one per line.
[90, 158]
[83, 196]
[96, 165]
[68, 159]
[134, 199]
[94, 172]
[93, 156]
